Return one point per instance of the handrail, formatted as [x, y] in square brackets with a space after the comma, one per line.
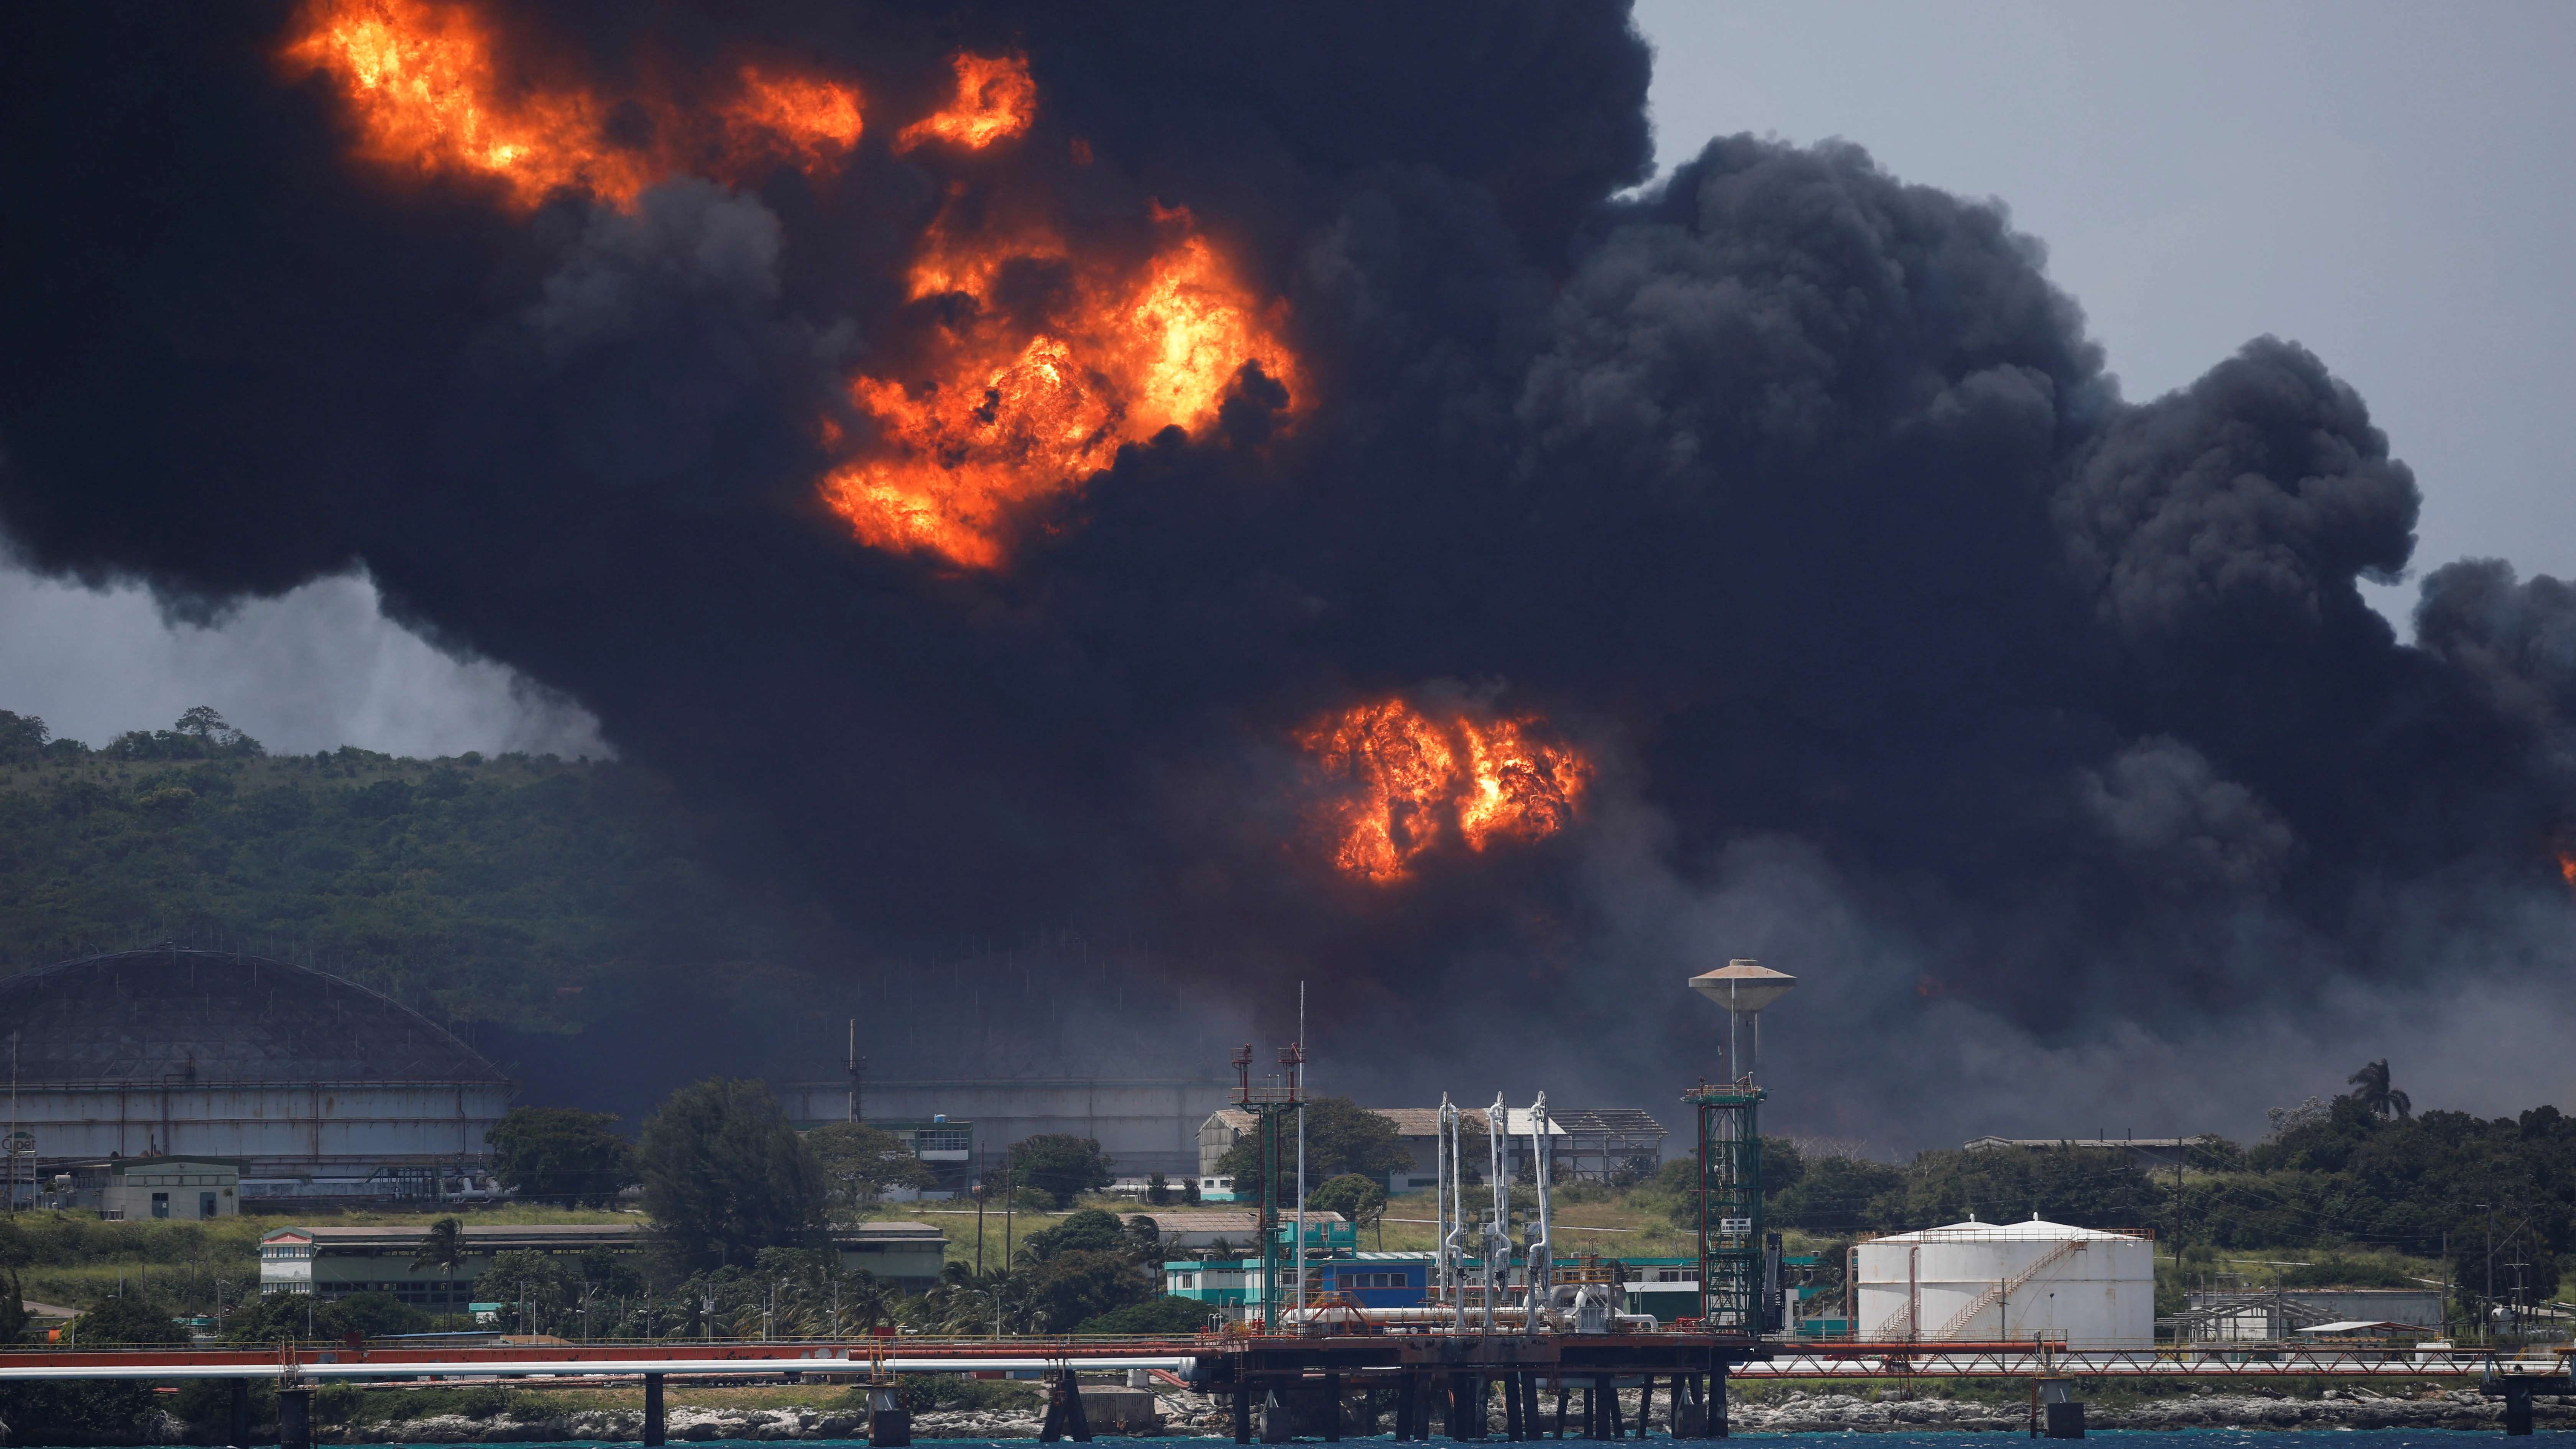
[2003, 1286]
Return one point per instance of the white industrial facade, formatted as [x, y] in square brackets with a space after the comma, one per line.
[296, 1074]
[1994, 1282]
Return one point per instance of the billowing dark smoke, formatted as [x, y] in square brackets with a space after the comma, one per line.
[2045, 733]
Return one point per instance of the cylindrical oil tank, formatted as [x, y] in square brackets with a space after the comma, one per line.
[2007, 1282]
[177, 1052]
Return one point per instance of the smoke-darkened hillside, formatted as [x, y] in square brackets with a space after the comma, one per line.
[566, 916]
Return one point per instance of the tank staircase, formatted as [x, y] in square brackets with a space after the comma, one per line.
[2003, 1288]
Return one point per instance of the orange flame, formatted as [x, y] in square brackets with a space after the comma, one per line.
[818, 120]
[2567, 868]
[1402, 780]
[1011, 414]
[996, 100]
[1009, 408]
[427, 95]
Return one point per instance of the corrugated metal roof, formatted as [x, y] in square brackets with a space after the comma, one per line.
[1609, 1122]
[1222, 1220]
[178, 1016]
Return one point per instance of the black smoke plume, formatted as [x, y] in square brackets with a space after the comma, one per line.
[2043, 732]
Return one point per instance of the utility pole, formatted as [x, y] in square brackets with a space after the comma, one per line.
[2486, 1306]
[2182, 1151]
[1298, 1237]
[858, 1069]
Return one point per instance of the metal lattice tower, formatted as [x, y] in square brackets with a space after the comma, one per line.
[1731, 1255]
[1270, 1103]
[1736, 1280]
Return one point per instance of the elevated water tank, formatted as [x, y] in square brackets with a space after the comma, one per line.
[1987, 1282]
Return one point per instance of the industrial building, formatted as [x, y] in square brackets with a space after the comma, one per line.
[2149, 1152]
[2238, 1315]
[295, 1074]
[1143, 1125]
[1986, 1282]
[944, 1144]
[187, 1188]
[1665, 1288]
[1183, 1228]
[334, 1262]
[1583, 1145]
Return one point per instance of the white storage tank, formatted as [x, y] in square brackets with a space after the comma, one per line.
[2007, 1282]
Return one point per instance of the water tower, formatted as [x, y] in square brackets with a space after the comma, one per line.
[1739, 1263]
[1743, 986]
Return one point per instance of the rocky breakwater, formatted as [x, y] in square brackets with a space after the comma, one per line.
[2340, 1408]
[615, 1425]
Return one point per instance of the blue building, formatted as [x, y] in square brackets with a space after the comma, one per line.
[1372, 1280]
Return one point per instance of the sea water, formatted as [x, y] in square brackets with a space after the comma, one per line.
[2135, 1438]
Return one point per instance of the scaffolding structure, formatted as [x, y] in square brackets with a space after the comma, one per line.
[1737, 1279]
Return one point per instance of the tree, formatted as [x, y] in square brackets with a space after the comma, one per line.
[561, 1155]
[13, 1308]
[1058, 1164]
[725, 1176]
[128, 1319]
[22, 737]
[1841, 1196]
[442, 1248]
[2372, 1090]
[284, 1318]
[1089, 1231]
[1075, 1286]
[1153, 1317]
[860, 1162]
[1358, 1198]
[534, 1286]
[1158, 1190]
[1341, 1137]
[379, 1314]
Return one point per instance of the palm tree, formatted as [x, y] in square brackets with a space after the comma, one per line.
[444, 1248]
[2375, 1093]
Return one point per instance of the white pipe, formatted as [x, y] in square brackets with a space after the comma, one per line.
[574, 1368]
[1541, 1243]
[1453, 1250]
[1498, 1241]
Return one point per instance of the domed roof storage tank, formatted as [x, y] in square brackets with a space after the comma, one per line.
[1976, 1282]
[171, 1051]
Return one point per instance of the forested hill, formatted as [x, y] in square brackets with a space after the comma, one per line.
[601, 937]
[506, 896]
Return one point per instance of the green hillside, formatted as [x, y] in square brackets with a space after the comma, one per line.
[476, 889]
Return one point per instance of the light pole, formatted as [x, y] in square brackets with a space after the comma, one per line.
[2486, 1305]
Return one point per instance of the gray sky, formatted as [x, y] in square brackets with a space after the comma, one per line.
[2393, 185]
[313, 670]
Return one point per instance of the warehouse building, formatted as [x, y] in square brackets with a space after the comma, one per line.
[333, 1262]
[1583, 1144]
[2240, 1315]
[190, 1189]
[1143, 1124]
[294, 1074]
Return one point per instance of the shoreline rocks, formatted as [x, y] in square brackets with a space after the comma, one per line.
[1799, 1412]
[2342, 1408]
